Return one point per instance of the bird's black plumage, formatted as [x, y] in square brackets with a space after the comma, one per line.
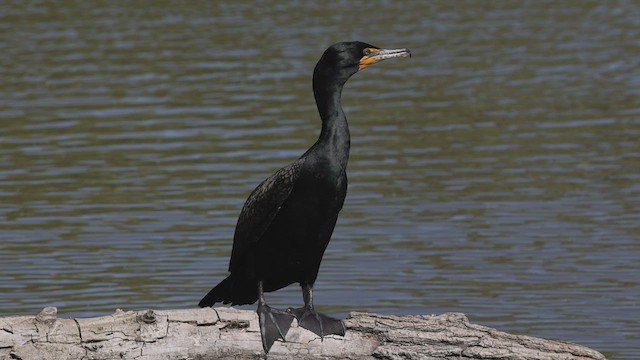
[287, 221]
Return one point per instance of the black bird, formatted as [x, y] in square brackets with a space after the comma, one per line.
[287, 221]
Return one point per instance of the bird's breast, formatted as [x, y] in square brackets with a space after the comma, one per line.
[323, 186]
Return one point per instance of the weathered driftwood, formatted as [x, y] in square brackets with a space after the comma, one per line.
[226, 333]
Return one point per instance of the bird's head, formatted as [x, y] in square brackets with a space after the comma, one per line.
[349, 57]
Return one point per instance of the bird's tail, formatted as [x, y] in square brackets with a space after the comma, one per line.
[232, 291]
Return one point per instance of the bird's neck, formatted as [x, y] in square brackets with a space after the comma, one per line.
[335, 138]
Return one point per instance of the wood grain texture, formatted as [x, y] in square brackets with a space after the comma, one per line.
[227, 333]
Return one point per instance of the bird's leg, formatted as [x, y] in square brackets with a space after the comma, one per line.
[274, 323]
[313, 321]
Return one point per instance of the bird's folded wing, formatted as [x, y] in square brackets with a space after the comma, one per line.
[262, 207]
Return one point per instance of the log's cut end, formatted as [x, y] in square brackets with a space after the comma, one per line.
[227, 333]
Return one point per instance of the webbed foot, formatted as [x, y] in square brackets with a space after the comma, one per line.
[274, 325]
[318, 323]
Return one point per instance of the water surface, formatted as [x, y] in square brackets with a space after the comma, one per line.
[495, 173]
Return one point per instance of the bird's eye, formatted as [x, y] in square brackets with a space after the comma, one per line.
[366, 52]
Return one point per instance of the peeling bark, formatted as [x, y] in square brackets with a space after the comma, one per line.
[227, 333]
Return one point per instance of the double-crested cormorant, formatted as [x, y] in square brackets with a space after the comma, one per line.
[287, 221]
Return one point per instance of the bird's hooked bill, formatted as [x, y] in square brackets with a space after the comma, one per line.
[374, 55]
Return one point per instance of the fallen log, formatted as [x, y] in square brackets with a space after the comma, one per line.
[227, 333]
